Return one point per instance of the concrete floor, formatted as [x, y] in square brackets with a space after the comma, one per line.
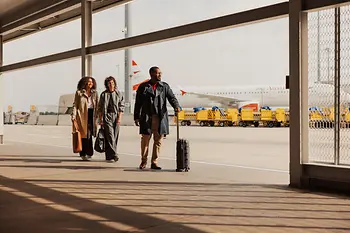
[218, 150]
[237, 183]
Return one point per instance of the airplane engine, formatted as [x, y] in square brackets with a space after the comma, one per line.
[249, 104]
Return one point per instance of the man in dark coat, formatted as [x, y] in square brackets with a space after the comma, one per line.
[151, 114]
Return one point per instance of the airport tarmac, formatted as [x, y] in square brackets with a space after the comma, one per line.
[225, 152]
[237, 183]
[222, 152]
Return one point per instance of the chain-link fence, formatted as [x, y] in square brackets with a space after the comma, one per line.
[344, 150]
[329, 85]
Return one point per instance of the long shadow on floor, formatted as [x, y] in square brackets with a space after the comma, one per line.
[66, 167]
[46, 160]
[76, 205]
[41, 209]
[36, 156]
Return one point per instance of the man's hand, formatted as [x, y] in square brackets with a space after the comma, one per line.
[73, 118]
[137, 122]
[177, 110]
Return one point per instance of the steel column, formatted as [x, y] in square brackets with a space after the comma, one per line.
[127, 61]
[337, 86]
[86, 37]
[1, 94]
[304, 88]
[295, 166]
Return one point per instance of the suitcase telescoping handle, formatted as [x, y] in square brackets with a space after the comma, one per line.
[177, 126]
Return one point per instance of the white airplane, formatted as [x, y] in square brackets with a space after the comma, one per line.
[321, 95]
[255, 97]
[345, 86]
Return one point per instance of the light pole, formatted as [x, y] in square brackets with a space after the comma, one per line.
[328, 64]
[318, 48]
[118, 67]
[118, 73]
[128, 55]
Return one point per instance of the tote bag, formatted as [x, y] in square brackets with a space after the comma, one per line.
[100, 141]
[76, 137]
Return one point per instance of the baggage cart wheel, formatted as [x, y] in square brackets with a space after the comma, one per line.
[188, 123]
[256, 124]
[183, 123]
[270, 124]
[244, 124]
[201, 123]
[222, 124]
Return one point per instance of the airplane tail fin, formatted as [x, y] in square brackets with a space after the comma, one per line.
[135, 69]
[137, 76]
[182, 90]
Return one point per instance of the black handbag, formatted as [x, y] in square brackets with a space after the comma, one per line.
[100, 141]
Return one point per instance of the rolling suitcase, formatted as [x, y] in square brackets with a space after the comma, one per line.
[182, 151]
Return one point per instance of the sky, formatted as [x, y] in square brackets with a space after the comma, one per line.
[251, 55]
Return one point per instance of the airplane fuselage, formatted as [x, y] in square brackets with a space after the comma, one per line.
[320, 95]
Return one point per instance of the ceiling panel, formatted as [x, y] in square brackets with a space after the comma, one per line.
[8, 6]
[24, 17]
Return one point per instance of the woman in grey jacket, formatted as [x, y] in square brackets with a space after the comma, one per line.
[110, 108]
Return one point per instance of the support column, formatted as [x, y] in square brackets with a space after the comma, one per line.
[337, 110]
[1, 94]
[86, 37]
[304, 88]
[298, 95]
[127, 62]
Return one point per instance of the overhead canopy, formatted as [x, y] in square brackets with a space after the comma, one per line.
[23, 17]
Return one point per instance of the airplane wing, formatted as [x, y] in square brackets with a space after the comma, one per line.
[220, 99]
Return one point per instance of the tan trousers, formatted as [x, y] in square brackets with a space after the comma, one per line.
[145, 139]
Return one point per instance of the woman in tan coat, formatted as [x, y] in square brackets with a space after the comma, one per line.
[85, 114]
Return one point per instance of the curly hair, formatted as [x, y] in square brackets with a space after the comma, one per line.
[153, 69]
[84, 81]
[110, 78]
